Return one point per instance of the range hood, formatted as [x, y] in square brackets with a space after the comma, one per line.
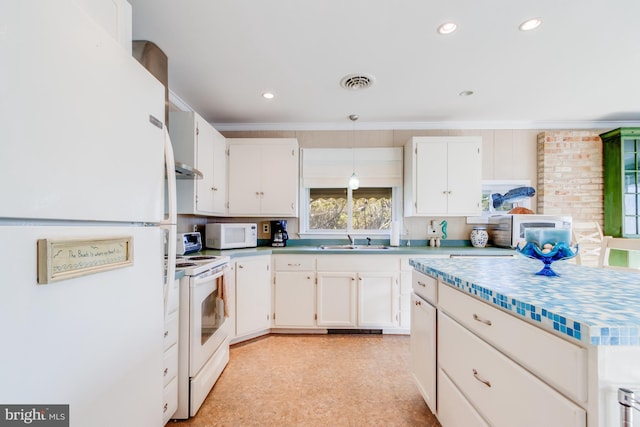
[187, 172]
[155, 61]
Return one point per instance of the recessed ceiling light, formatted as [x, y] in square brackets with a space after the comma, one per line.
[447, 28]
[466, 93]
[530, 24]
[268, 95]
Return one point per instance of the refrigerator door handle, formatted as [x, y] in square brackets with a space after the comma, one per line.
[170, 222]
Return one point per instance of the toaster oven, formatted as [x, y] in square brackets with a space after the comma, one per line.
[508, 230]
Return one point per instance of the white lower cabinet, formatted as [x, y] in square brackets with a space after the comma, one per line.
[336, 291]
[378, 299]
[502, 391]
[253, 294]
[337, 303]
[423, 349]
[294, 299]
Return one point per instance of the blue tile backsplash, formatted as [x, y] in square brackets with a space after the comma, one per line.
[591, 305]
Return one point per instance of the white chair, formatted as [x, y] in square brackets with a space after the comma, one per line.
[588, 236]
[617, 243]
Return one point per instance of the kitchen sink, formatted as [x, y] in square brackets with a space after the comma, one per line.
[353, 247]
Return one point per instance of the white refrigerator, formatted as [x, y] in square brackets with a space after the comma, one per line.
[82, 170]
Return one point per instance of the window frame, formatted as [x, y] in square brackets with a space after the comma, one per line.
[305, 232]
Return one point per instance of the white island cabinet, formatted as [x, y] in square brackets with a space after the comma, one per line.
[518, 349]
[443, 176]
[263, 177]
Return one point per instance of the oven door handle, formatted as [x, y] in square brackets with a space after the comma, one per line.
[207, 276]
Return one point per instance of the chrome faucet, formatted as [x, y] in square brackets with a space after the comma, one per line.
[352, 241]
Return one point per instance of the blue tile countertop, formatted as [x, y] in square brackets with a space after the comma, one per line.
[591, 305]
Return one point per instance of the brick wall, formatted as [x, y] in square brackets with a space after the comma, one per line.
[570, 175]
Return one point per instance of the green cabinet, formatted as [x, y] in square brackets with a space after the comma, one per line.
[621, 161]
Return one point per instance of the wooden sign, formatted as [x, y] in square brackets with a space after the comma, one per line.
[65, 259]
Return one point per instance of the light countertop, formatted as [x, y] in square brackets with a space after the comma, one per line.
[591, 305]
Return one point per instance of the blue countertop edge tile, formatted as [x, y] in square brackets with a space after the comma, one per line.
[594, 318]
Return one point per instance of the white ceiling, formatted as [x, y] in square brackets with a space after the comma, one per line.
[581, 68]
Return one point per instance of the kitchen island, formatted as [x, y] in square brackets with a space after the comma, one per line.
[514, 348]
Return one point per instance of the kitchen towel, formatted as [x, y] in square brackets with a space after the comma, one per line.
[221, 282]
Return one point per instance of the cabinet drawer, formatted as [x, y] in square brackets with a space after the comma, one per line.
[490, 379]
[170, 400]
[453, 409]
[171, 330]
[558, 362]
[352, 262]
[170, 364]
[294, 263]
[425, 286]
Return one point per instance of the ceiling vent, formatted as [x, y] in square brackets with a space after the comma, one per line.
[357, 81]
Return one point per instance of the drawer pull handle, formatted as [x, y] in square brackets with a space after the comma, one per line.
[165, 407]
[294, 265]
[424, 285]
[166, 371]
[479, 319]
[477, 377]
[166, 334]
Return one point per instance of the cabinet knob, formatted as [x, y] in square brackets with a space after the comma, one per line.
[166, 333]
[165, 407]
[166, 371]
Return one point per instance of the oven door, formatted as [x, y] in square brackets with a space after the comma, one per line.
[206, 319]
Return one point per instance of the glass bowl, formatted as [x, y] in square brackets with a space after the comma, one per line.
[560, 251]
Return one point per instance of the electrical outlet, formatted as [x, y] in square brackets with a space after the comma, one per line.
[265, 228]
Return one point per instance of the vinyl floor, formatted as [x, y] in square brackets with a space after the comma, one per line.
[316, 380]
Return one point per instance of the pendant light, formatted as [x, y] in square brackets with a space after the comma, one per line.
[354, 182]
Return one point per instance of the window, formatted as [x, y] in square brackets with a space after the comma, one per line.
[345, 210]
[328, 207]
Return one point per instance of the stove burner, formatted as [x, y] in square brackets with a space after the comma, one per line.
[200, 258]
[185, 264]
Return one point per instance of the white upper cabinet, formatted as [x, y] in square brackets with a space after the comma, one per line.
[263, 177]
[443, 176]
[196, 143]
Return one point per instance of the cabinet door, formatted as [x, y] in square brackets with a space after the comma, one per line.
[219, 184]
[279, 184]
[244, 180]
[253, 295]
[464, 178]
[378, 299]
[294, 298]
[423, 349]
[431, 169]
[204, 163]
[336, 299]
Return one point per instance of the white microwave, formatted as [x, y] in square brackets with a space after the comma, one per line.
[508, 230]
[230, 235]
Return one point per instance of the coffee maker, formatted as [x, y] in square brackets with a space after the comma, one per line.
[279, 234]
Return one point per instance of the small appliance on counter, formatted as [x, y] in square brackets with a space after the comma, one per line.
[508, 230]
[188, 242]
[231, 235]
[279, 235]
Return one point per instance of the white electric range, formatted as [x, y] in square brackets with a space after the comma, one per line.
[203, 346]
